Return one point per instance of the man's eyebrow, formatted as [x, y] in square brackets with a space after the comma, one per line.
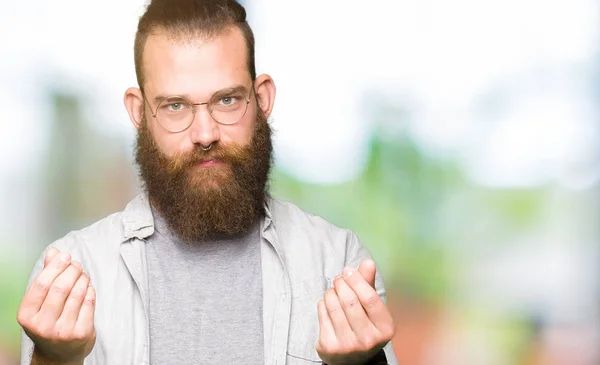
[226, 91]
[230, 90]
[159, 98]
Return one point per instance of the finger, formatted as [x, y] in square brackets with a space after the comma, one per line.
[370, 300]
[367, 269]
[75, 300]
[59, 291]
[50, 255]
[35, 296]
[355, 314]
[336, 313]
[327, 332]
[85, 319]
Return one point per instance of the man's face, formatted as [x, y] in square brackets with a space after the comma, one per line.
[196, 70]
[203, 194]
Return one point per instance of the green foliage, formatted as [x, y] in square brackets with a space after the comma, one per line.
[393, 207]
[413, 212]
[13, 281]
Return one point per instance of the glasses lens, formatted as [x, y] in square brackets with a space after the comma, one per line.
[228, 108]
[175, 114]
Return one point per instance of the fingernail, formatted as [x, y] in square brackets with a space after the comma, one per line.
[78, 264]
[51, 251]
[348, 271]
[337, 277]
[65, 257]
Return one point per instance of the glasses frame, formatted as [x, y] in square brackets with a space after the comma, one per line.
[155, 112]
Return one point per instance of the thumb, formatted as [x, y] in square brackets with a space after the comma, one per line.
[367, 269]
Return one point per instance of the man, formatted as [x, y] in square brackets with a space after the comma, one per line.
[204, 267]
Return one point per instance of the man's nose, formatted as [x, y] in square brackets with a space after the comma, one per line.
[204, 129]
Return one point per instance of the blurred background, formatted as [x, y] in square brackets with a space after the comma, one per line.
[459, 139]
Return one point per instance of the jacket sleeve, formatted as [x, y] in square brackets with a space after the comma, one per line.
[356, 252]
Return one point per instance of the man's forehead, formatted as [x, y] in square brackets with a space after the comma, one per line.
[173, 61]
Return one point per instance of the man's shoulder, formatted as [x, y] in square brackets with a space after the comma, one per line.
[287, 211]
[290, 218]
[109, 231]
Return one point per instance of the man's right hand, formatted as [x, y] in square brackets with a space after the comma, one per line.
[57, 312]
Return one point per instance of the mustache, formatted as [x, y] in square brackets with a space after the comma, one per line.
[231, 153]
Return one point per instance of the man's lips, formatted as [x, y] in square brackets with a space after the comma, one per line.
[209, 163]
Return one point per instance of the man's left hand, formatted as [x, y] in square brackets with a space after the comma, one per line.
[354, 322]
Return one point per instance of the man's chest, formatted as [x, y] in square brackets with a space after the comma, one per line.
[205, 302]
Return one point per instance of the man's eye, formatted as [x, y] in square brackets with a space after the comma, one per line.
[228, 100]
[175, 106]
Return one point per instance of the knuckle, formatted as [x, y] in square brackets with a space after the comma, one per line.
[45, 331]
[35, 332]
[60, 289]
[90, 300]
[333, 309]
[63, 336]
[72, 271]
[330, 348]
[318, 346]
[373, 300]
[23, 318]
[80, 335]
[58, 263]
[369, 342]
[352, 303]
[40, 285]
[388, 331]
[62, 331]
[330, 295]
[78, 292]
[83, 281]
[347, 346]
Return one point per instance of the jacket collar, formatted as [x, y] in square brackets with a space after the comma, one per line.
[137, 219]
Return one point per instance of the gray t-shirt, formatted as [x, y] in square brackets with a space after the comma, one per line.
[205, 299]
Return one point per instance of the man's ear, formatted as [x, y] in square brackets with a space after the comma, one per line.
[264, 87]
[134, 103]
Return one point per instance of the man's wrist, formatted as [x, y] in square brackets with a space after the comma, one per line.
[40, 359]
[378, 359]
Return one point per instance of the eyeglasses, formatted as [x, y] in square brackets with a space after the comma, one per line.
[176, 113]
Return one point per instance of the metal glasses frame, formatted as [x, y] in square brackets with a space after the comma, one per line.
[155, 112]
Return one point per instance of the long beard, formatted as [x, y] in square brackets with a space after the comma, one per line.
[212, 202]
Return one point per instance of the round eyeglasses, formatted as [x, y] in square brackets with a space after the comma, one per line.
[176, 113]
